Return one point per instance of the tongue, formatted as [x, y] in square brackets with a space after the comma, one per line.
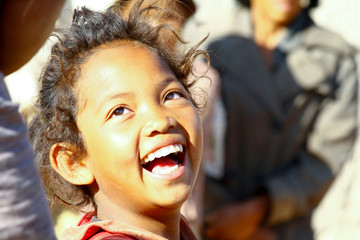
[161, 165]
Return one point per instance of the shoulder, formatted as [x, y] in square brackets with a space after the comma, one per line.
[317, 37]
[98, 230]
[94, 231]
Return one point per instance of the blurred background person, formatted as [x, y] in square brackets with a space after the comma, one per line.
[24, 27]
[290, 92]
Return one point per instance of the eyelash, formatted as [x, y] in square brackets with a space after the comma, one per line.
[113, 113]
[181, 95]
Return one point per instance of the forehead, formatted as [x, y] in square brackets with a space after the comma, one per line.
[124, 57]
[120, 66]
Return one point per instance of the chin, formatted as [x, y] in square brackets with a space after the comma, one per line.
[175, 199]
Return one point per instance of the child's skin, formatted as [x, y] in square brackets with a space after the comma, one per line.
[131, 105]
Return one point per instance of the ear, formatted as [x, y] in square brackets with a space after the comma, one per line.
[74, 171]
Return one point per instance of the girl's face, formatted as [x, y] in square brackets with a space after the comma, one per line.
[142, 133]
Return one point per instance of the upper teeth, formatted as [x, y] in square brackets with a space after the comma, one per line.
[164, 151]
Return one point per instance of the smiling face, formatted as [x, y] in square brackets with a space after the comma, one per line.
[142, 133]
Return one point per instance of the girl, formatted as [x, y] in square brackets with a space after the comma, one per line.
[117, 129]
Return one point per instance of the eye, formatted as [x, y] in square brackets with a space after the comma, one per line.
[120, 111]
[173, 95]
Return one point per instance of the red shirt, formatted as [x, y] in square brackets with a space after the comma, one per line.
[112, 230]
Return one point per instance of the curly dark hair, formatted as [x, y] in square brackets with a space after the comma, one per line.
[57, 104]
[188, 5]
[312, 4]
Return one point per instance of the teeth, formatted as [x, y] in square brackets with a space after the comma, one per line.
[158, 154]
[177, 148]
[162, 152]
[159, 170]
[172, 148]
[151, 157]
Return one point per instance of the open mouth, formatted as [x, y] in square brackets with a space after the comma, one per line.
[165, 160]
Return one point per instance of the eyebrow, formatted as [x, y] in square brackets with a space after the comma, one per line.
[115, 96]
[166, 82]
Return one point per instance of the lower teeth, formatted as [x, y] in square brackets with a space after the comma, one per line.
[164, 170]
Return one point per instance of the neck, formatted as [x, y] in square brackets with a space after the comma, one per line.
[267, 33]
[160, 221]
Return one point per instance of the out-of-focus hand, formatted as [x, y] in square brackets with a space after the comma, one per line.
[239, 221]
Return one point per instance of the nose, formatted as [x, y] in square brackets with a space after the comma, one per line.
[159, 122]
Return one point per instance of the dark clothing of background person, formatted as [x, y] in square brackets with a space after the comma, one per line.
[23, 206]
[289, 129]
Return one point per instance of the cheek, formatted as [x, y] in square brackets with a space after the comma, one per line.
[114, 161]
[110, 148]
[196, 137]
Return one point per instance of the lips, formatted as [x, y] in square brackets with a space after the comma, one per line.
[165, 160]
